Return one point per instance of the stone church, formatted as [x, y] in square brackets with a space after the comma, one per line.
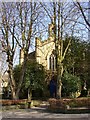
[44, 51]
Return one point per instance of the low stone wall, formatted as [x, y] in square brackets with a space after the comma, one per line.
[67, 105]
[14, 104]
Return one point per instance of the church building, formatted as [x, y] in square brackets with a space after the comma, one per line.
[44, 51]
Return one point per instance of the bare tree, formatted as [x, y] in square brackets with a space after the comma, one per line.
[28, 14]
[19, 21]
[8, 41]
[84, 9]
[63, 23]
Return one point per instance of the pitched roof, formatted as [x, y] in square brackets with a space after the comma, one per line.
[32, 55]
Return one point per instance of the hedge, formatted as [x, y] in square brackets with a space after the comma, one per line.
[13, 102]
[69, 103]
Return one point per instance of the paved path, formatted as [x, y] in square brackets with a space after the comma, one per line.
[40, 114]
[45, 119]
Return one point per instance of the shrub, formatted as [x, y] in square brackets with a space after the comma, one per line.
[63, 103]
[13, 102]
[71, 84]
[34, 78]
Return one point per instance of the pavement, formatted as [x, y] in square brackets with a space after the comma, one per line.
[39, 113]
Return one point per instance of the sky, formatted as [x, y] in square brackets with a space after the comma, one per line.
[83, 33]
[44, 0]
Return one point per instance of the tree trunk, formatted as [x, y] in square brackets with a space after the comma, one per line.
[22, 75]
[29, 94]
[59, 80]
[12, 82]
[59, 55]
[59, 93]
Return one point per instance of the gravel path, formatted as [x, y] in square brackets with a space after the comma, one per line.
[37, 113]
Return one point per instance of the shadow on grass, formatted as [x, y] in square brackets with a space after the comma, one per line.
[70, 111]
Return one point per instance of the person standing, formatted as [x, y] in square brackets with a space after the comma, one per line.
[53, 87]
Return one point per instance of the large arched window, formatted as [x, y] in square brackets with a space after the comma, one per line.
[52, 62]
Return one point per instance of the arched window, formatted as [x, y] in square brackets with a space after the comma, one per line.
[52, 62]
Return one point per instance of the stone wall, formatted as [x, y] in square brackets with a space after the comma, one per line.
[43, 51]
